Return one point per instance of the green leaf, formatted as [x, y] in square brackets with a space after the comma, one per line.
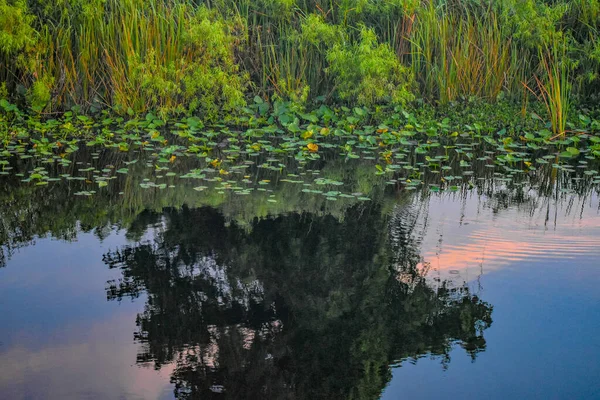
[573, 150]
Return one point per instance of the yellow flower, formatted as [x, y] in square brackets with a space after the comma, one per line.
[312, 147]
[387, 156]
[223, 172]
[307, 134]
[215, 163]
[172, 159]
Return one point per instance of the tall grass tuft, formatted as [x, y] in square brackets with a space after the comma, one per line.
[554, 87]
[460, 54]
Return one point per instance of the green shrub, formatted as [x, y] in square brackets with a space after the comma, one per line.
[369, 72]
[186, 63]
[39, 95]
[17, 39]
[16, 32]
[3, 91]
[534, 24]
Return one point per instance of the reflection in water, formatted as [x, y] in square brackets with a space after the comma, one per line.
[301, 306]
[465, 236]
[282, 293]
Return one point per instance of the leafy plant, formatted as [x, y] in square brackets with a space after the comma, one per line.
[369, 72]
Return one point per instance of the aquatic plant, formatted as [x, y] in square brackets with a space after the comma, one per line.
[554, 88]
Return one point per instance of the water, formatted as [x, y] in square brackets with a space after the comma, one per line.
[138, 292]
[541, 278]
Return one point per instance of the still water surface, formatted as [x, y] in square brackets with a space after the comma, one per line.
[476, 294]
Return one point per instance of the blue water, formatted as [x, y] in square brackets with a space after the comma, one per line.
[61, 338]
[543, 343]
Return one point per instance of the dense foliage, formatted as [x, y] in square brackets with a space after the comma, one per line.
[203, 56]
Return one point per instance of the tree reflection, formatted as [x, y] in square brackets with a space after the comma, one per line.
[293, 307]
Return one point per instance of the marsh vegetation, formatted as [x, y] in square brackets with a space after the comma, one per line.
[208, 58]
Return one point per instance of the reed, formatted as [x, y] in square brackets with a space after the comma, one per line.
[554, 87]
[460, 55]
[205, 56]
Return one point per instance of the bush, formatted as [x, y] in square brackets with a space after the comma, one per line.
[368, 72]
[15, 27]
[17, 38]
[186, 66]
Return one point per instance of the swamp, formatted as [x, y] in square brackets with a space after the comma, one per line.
[299, 199]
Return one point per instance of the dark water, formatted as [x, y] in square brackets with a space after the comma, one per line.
[488, 292]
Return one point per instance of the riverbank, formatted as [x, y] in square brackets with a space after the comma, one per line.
[210, 59]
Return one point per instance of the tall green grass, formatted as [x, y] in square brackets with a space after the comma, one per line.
[206, 56]
[553, 86]
[457, 56]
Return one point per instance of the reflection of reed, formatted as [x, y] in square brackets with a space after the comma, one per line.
[526, 226]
